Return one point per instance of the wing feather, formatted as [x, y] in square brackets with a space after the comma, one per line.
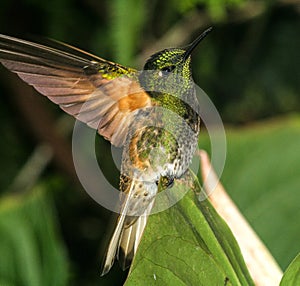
[100, 93]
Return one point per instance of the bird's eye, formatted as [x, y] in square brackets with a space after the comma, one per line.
[168, 69]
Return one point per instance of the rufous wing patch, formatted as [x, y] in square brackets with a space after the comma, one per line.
[127, 97]
[136, 99]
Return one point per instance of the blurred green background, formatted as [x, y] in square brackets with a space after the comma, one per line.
[50, 229]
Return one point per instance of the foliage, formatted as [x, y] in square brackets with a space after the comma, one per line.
[217, 9]
[188, 244]
[261, 175]
[31, 250]
[125, 31]
[291, 276]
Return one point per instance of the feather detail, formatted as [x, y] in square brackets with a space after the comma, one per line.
[129, 229]
[131, 238]
[115, 239]
[100, 93]
[113, 246]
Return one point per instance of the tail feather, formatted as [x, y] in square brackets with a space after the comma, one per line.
[113, 246]
[130, 240]
[127, 245]
[126, 237]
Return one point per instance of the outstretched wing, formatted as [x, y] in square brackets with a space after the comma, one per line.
[102, 94]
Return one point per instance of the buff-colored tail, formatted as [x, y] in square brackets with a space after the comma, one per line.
[126, 237]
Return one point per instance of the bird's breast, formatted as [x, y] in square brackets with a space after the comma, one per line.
[158, 144]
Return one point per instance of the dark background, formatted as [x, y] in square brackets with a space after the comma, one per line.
[248, 65]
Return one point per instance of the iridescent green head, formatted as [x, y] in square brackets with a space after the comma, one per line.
[171, 61]
[168, 60]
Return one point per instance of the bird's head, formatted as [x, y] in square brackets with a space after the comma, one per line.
[170, 69]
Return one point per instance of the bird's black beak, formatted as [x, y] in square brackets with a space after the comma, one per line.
[195, 43]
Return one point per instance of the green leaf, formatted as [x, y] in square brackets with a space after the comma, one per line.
[262, 178]
[188, 244]
[31, 251]
[291, 276]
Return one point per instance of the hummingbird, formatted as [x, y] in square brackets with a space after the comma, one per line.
[153, 114]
